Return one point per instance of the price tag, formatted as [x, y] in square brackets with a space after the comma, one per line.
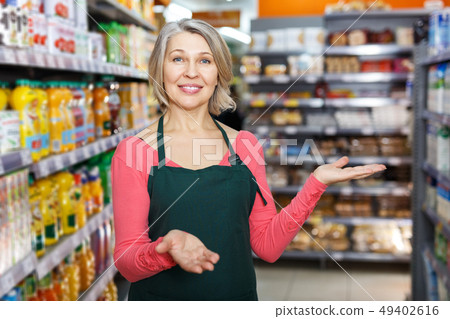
[75, 64]
[51, 63]
[2, 169]
[262, 130]
[43, 169]
[291, 103]
[282, 78]
[367, 131]
[252, 79]
[8, 281]
[86, 153]
[399, 192]
[22, 57]
[394, 161]
[96, 148]
[9, 55]
[60, 62]
[330, 130]
[72, 158]
[338, 256]
[346, 190]
[291, 130]
[25, 157]
[27, 266]
[39, 58]
[58, 163]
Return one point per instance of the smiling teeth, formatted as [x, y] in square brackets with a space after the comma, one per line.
[190, 87]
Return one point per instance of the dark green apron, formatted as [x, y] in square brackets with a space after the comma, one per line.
[215, 209]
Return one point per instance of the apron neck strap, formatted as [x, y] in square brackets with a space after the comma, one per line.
[160, 139]
[225, 137]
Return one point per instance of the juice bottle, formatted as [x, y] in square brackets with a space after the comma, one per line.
[86, 262]
[78, 114]
[86, 194]
[125, 104]
[98, 247]
[73, 273]
[3, 95]
[61, 283]
[45, 289]
[25, 101]
[56, 126]
[42, 113]
[65, 182]
[101, 111]
[78, 200]
[48, 211]
[113, 103]
[96, 189]
[89, 112]
[68, 120]
[31, 289]
[38, 228]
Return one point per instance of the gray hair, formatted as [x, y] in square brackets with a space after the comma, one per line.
[220, 100]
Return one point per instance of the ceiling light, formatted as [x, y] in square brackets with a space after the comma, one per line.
[235, 34]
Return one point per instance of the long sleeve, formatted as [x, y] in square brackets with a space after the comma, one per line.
[134, 255]
[271, 232]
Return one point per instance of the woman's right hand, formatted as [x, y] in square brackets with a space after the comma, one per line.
[187, 251]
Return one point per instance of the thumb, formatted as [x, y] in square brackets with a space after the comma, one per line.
[163, 247]
[341, 162]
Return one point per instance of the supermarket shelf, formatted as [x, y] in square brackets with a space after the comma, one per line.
[432, 171]
[443, 57]
[15, 160]
[369, 49]
[353, 160]
[327, 131]
[282, 79]
[56, 163]
[55, 254]
[431, 214]
[99, 285]
[353, 221]
[367, 77]
[386, 188]
[18, 272]
[285, 53]
[366, 102]
[30, 58]
[113, 10]
[378, 14]
[441, 118]
[286, 102]
[344, 256]
[439, 267]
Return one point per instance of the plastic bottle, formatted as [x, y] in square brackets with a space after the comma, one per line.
[78, 200]
[66, 182]
[25, 101]
[3, 95]
[89, 112]
[55, 203]
[104, 166]
[113, 103]
[45, 289]
[87, 196]
[78, 113]
[31, 289]
[101, 111]
[61, 283]
[96, 189]
[86, 262]
[38, 228]
[98, 247]
[56, 126]
[48, 211]
[68, 120]
[73, 273]
[43, 115]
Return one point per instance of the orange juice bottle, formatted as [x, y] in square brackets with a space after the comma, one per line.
[87, 196]
[24, 100]
[78, 200]
[56, 126]
[55, 204]
[65, 182]
[101, 111]
[89, 112]
[61, 283]
[42, 113]
[38, 227]
[3, 95]
[96, 189]
[86, 261]
[73, 273]
[45, 289]
[68, 120]
[48, 211]
[31, 289]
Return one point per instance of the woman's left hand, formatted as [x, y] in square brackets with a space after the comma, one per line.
[334, 173]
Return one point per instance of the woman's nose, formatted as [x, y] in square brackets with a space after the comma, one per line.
[191, 70]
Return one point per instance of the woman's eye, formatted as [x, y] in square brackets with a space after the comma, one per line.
[177, 60]
[205, 61]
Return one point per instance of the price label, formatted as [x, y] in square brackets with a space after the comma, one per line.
[51, 63]
[8, 281]
[86, 153]
[25, 157]
[262, 130]
[2, 169]
[75, 64]
[367, 131]
[346, 190]
[252, 79]
[58, 163]
[43, 169]
[394, 161]
[399, 192]
[60, 62]
[282, 78]
[39, 58]
[96, 148]
[9, 56]
[338, 256]
[22, 57]
[291, 103]
[330, 130]
[291, 130]
[72, 158]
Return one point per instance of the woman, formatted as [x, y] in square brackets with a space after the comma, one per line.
[190, 196]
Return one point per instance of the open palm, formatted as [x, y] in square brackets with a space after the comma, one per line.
[335, 173]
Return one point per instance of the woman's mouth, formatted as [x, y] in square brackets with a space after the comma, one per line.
[190, 88]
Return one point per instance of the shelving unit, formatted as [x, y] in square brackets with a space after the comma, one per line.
[99, 285]
[438, 267]
[325, 131]
[15, 274]
[369, 77]
[366, 102]
[282, 79]
[353, 160]
[12, 161]
[370, 49]
[286, 102]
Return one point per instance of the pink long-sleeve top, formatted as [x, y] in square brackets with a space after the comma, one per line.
[135, 256]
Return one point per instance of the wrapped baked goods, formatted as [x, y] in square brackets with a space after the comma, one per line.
[251, 65]
[358, 37]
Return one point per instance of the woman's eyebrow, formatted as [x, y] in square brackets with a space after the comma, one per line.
[181, 50]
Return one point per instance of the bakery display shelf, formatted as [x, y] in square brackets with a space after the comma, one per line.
[14, 160]
[353, 160]
[113, 10]
[441, 118]
[327, 131]
[282, 79]
[366, 102]
[369, 49]
[382, 14]
[268, 53]
[286, 102]
[385, 188]
[435, 59]
[437, 221]
[344, 256]
[99, 285]
[439, 268]
[433, 172]
[30, 58]
[55, 163]
[16, 273]
[366, 77]
[56, 253]
[353, 221]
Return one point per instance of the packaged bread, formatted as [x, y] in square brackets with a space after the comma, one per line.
[358, 37]
[251, 65]
[275, 69]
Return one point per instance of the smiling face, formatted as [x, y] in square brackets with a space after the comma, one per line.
[189, 71]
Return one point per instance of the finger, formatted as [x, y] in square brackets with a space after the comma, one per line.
[163, 247]
[212, 256]
[207, 266]
[341, 162]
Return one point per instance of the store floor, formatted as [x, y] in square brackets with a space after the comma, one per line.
[300, 280]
